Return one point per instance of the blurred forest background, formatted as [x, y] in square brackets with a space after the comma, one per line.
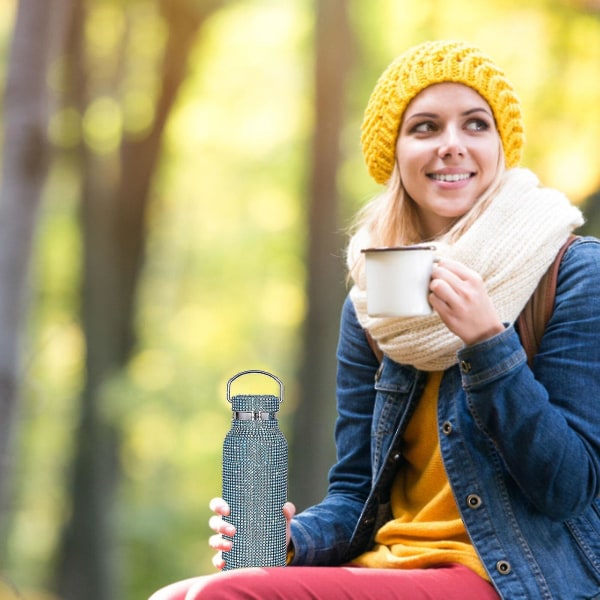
[177, 180]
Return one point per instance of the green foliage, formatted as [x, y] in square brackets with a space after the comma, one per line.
[223, 285]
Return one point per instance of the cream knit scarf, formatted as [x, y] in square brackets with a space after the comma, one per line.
[510, 245]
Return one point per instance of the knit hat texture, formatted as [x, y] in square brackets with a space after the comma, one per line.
[422, 66]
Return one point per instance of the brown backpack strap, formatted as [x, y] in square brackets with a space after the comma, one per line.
[537, 312]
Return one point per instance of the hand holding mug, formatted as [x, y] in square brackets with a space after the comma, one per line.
[459, 296]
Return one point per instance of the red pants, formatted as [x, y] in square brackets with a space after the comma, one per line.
[449, 582]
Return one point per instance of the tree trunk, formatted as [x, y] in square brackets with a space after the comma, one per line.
[312, 449]
[115, 197]
[25, 160]
[591, 210]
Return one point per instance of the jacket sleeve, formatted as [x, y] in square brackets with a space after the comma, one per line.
[545, 422]
[320, 534]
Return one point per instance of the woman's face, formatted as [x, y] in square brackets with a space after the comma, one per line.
[448, 153]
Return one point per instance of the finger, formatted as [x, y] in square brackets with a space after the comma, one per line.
[289, 510]
[219, 506]
[459, 276]
[443, 291]
[437, 303]
[218, 562]
[217, 524]
[463, 285]
[445, 284]
[454, 266]
[456, 279]
[218, 542]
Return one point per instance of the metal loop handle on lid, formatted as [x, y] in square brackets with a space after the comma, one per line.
[255, 372]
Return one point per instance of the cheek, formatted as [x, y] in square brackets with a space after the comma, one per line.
[490, 159]
[411, 158]
[409, 176]
[490, 150]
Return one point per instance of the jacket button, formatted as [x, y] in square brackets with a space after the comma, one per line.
[465, 366]
[473, 501]
[447, 428]
[503, 567]
[397, 457]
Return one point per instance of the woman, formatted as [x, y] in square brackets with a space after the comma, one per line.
[461, 472]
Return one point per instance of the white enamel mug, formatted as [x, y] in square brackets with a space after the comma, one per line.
[398, 280]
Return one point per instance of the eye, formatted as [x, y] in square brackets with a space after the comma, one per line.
[477, 125]
[424, 127]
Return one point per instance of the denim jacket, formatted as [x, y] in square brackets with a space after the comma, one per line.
[521, 446]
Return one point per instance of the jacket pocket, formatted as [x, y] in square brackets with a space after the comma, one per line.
[586, 532]
[394, 391]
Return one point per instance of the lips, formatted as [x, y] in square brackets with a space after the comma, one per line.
[450, 177]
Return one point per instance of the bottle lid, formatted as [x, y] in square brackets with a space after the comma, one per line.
[255, 403]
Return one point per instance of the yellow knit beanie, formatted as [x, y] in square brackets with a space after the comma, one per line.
[420, 67]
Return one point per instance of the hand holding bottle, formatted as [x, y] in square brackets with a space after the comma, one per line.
[220, 527]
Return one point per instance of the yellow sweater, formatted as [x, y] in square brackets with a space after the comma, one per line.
[426, 529]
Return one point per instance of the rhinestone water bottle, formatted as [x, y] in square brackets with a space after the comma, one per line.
[255, 463]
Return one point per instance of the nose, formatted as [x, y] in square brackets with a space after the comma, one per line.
[451, 144]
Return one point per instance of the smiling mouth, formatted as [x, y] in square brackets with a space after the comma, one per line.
[451, 177]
